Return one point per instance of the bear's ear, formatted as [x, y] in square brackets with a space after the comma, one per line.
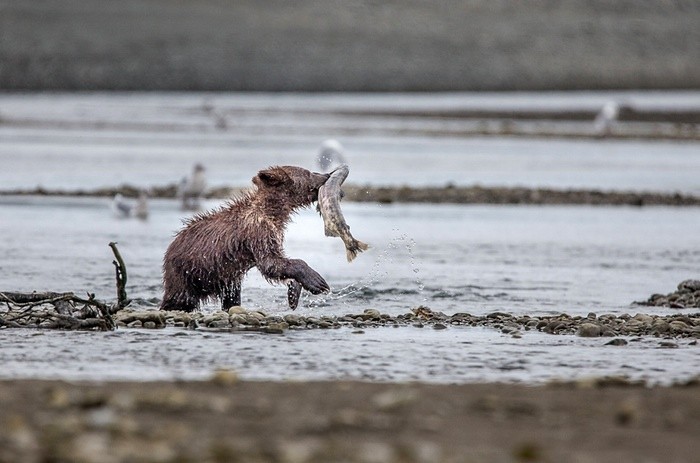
[274, 176]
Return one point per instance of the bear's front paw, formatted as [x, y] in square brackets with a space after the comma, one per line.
[314, 283]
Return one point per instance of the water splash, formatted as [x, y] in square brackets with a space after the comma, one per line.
[377, 273]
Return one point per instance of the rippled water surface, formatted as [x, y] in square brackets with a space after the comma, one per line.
[477, 259]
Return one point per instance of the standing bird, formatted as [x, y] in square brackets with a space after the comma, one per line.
[192, 188]
[330, 155]
[606, 118]
[123, 209]
[140, 211]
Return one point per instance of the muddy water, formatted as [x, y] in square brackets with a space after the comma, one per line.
[477, 259]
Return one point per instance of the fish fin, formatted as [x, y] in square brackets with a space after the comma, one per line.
[354, 250]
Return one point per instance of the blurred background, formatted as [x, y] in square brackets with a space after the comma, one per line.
[337, 45]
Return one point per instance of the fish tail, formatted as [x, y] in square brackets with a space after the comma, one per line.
[356, 248]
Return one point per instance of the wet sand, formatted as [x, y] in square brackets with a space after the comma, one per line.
[225, 419]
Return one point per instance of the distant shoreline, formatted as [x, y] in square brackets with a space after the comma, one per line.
[448, 194]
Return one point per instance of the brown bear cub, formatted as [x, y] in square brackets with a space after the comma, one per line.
[210, 255]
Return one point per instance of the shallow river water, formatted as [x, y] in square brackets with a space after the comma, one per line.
[476, 258]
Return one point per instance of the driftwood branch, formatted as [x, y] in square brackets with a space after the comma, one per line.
[121, 277]
[64, 310]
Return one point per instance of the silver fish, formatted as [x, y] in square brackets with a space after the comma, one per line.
[329, 196]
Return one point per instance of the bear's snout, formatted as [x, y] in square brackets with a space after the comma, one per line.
[318, 181]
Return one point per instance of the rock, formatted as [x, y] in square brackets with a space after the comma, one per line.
[249, 319]
[660, 327]
[589, 330]
[237, 310]
[237, 319]
[616, 342]
[293, 320]
[668, 345]
[150, 325]
[155, 316]
[218, 324]
[498, 315]
[439, 326]
[371, 314]
[689, 285]
[643, 318]
[678, 326]
[633, 326]
[135, 324]
[275, 328]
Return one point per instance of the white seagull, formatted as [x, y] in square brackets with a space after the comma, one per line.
[606, 118]
[192, 188]
[330, 155]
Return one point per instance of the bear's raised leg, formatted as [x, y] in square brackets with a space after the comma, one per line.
[231, 296]
[280, 268]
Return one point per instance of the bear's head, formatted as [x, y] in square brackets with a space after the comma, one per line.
[296, 185]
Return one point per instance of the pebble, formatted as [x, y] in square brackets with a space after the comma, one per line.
[592, 325]
[687, 295]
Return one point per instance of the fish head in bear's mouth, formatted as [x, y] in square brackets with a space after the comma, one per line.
[319, 181]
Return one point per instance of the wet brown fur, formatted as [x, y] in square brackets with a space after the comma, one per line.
[210, 256]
